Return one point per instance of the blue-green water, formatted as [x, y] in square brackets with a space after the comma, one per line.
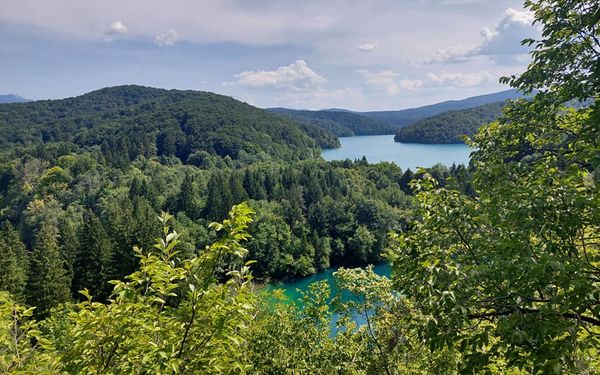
[293, 290]
[378, 148]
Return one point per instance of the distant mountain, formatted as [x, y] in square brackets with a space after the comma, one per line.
[408, 116]
[336, 110]
[449, 126]
[340, 122]
[11, 98]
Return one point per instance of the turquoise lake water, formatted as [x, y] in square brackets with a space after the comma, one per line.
[293, 290]
[378, 148]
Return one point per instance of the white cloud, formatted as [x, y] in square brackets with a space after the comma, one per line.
[297, 76]
[502, 42]
[367, 47]
[410, 84]
[166, 39]
[459, 79]
[116, 28]
[505, 38]
[386, 81]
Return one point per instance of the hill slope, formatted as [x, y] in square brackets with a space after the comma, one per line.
[341, 123]
[448, 127]
[411, 115]
[127, 121]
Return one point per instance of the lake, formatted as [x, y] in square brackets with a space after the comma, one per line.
[378, 148]
[293, 289]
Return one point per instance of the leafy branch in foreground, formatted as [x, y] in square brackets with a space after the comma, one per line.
[172, 315]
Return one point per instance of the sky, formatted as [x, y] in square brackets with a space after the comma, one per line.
[313, 54]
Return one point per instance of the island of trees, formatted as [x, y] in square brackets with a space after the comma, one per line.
[495, 266]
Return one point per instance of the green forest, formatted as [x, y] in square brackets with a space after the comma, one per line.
[139, 226]
[451, 126]
[342, 124]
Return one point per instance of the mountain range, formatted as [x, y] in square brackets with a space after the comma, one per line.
[345, 123]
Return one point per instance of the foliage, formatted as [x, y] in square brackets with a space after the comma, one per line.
[510, 275]
[17, 333]
[451, 126]
[131, 121]
[342, 124]
[172, 315]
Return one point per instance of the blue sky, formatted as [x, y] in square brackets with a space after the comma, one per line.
[361, 55]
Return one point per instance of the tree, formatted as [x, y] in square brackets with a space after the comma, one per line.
[219, 199]
[92, 260]
[511, 274]
[143, 329]
[361, 245]
[187, 198]
[48, 283]
[14, 263]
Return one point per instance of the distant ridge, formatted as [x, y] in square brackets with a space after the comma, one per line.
[342, 123]
[408, 116]
[11, 98]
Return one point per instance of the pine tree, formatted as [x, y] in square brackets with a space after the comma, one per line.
[186, 199]
[14, 262]
[91, 263]
[48, 284]
[236, 186]
[219, 200]
[69, 244]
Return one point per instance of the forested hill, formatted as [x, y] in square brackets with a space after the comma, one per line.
[341, 123]
[449, 127]
[409, 116]
[128, 121]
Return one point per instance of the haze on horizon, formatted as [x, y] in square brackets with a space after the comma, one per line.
[375, 55]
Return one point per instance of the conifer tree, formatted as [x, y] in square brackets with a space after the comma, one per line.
[186, 199]
[91, 262]
[48, 284]
[14, 262]
[219, 200]
[236, 186]
[69, 245]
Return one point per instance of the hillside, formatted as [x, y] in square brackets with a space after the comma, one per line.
[10, 98]
[341, 123]
[408, 116]
[127, 121]
[448, 127]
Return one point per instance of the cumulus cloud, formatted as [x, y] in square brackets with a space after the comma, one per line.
[459, 79]
[387, 82]
[505, 38]
[367, 47]
[166, 39]
[499, 42]
[116, 28]
[297, 76]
